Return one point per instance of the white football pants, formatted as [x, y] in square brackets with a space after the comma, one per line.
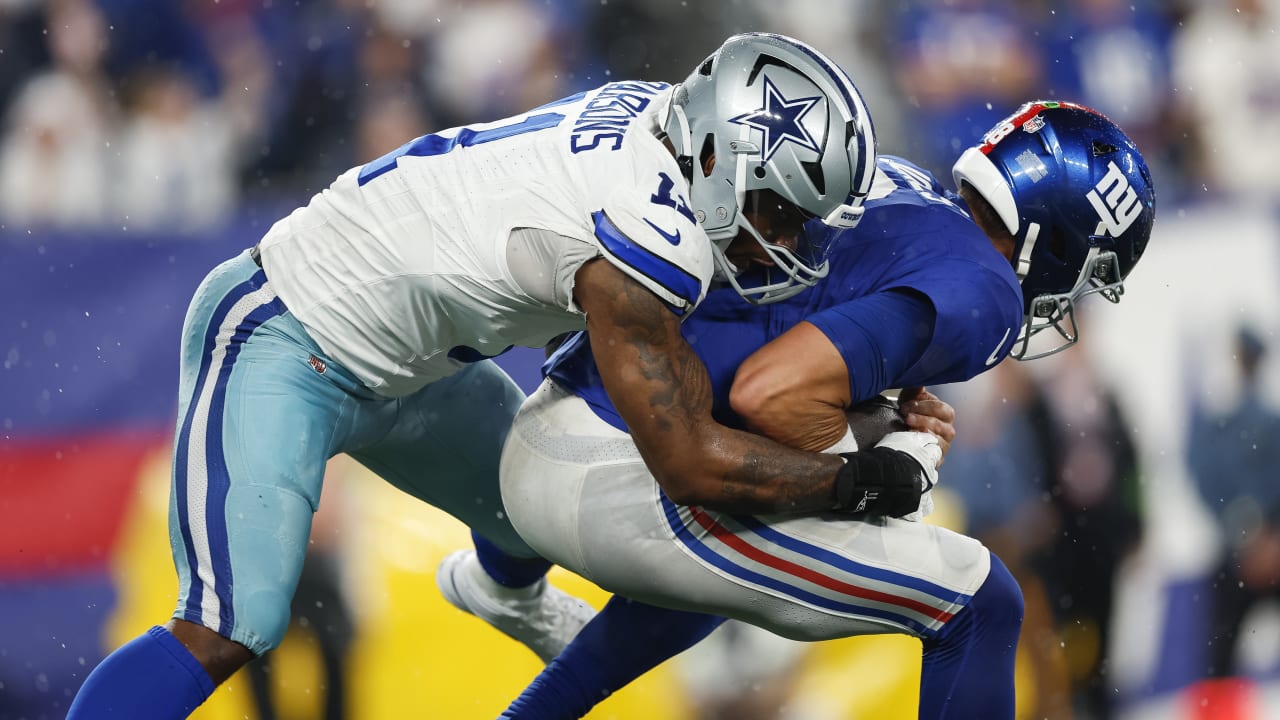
[579, 493]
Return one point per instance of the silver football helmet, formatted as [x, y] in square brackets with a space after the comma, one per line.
[778, 116]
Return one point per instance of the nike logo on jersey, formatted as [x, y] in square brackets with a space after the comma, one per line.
[995, 354]
[673, 238]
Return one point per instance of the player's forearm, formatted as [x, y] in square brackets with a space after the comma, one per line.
[697, 461]
[760, 477]
[663, 393]
[746, 473]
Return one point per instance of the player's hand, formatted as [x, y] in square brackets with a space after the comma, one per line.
[923, 411]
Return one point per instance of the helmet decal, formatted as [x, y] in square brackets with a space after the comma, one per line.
[779, 119]
[1031, 165]
[1121, 206]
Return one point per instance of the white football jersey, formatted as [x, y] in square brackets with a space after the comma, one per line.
[401, 271]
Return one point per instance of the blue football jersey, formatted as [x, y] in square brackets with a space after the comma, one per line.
[916, 236]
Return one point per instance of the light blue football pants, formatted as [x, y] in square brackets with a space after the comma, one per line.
[261, 409]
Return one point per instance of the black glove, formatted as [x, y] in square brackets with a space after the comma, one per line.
[879, 482]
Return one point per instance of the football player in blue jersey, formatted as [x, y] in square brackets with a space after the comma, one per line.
[363, 323]
[1055, 204]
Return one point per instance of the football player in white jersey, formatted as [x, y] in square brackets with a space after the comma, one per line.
[1055, 204]
[363, 323]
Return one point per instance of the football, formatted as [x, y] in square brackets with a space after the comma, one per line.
[872, 419]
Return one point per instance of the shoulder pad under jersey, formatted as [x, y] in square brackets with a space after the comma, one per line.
[647, 230]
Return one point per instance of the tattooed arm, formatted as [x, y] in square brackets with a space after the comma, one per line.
[662, 391]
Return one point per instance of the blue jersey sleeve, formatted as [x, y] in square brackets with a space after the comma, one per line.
[880, 336]
[979, 312]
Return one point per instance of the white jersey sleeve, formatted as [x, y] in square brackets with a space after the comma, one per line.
[645, 226]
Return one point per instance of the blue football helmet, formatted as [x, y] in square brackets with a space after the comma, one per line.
[1077, 197]
[781, 120]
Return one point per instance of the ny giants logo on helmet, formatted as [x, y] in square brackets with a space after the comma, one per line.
[1120, 206]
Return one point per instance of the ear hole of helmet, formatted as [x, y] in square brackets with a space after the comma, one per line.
[708, 151]
[814, 170]
[1058, 245]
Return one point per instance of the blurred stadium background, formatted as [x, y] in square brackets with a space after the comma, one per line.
[143, 141]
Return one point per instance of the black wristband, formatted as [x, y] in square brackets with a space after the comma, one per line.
[878, 482]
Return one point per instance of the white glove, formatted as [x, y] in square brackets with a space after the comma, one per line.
[926, 450]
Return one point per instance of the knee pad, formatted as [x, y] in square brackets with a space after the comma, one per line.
[267, 547]
[263, 621]
[1001, 598]
[992, 618]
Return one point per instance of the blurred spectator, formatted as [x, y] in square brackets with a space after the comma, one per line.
[1227, 81]
[391, 108]
[1113, 55]
[960, 64]
[1233, 458]
[851, 34]
[1094, 496]
[385, 122]
[53, 152]
[999, 468]
[490, 58]
[23, 41]
[176, 162]
[312, 74]
[661, 39]
[244, 62]
[149, 33]
[181, 149]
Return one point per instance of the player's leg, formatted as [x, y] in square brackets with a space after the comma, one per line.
[445, 451]
[624, 641]
[1231, 600]
[580, 494]
[967, 670]
[627, 638]
[253, 430]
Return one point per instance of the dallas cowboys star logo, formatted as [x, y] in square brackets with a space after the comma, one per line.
[779, 120]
